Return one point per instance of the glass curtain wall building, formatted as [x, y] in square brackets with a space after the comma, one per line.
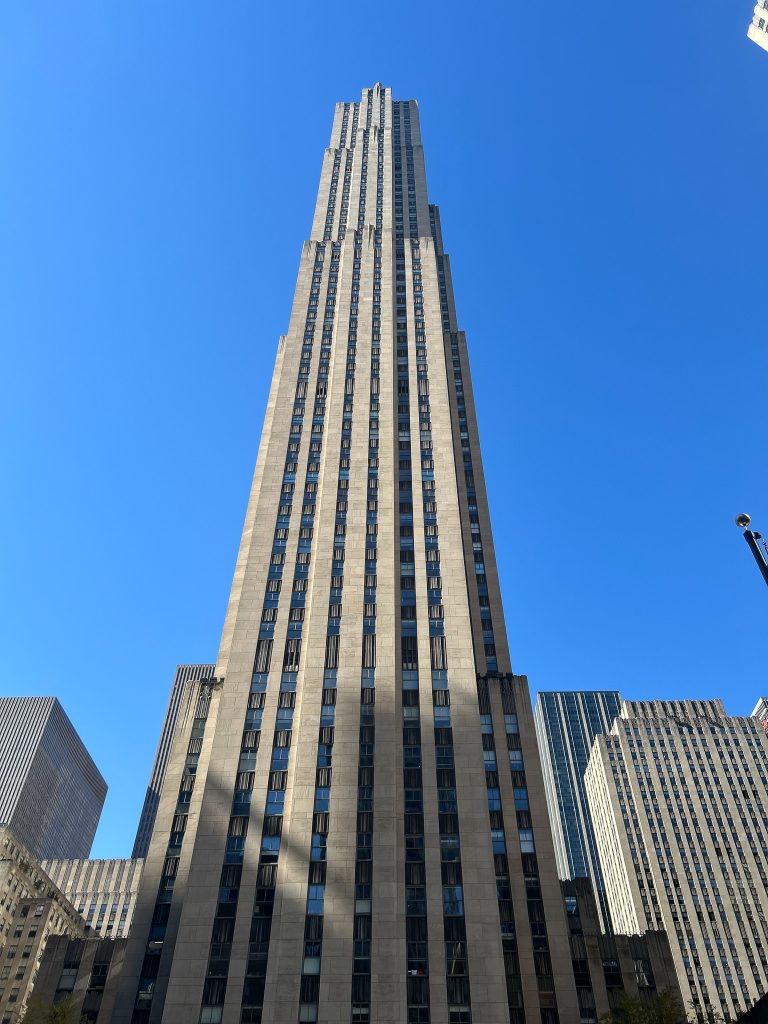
[353, 825]
[566, 726]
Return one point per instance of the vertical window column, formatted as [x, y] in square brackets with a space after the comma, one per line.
[363, 918]
[261, 921]
[417, 962]
[151, 963]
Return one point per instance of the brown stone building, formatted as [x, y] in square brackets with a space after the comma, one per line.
[31, 910]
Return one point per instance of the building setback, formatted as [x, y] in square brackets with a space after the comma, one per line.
[184, 675]
[678, 793]
[102, 891]
[353, 825]
[51, 792]
[566, 726]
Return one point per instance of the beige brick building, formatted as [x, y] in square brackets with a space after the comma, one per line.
[353, 826]
[678, 794]
[31, 910]
[102, 891]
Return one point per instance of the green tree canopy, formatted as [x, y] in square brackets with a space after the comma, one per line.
[40, 1012]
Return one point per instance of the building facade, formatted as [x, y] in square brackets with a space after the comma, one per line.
[102, 891]
[31, 910]
[83, 971]
[353, 825]
[678, 792]
[51, 792]
[760, 711]
[608, 967]
[758, 28]
[566, 726]
[184, 675]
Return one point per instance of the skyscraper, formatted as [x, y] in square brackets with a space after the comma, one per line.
[566, 726]
[353, 825]
[184, 674]
[678, 792]
[51, 792]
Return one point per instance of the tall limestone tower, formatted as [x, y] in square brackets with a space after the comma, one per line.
[353, 825]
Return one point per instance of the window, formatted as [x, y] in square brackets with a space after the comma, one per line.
[270, 849]
[275, 801]
[521, 799]
[322, 799]
[453, 901]
[449, 849]
[526, 841]
[210, 1015]
[315, 899]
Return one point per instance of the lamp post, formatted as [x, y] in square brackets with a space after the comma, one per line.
[759, 550]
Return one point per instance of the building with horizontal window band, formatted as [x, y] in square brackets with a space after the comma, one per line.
[51, 792]
[353, 824]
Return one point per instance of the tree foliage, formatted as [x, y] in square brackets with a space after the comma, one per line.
[61, 1012]
[663, 1008]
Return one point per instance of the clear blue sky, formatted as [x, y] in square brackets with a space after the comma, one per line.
[600, 172]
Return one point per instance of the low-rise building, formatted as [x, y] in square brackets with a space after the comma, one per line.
[31, 910]
[82, 971]
[607, 967]
[102, 891]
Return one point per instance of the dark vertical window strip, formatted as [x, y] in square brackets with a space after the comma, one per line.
[261, 922]
[530, 867]
[253, 990]
[454, 922]
[313, 924]
[417, 958]
[501, 862]
[467, 473]
[161, 912]
[542, 959]
[362, 923]
[344, 208]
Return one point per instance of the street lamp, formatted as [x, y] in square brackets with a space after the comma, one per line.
[760, 551]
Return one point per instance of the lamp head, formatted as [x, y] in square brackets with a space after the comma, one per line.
[743, 521]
